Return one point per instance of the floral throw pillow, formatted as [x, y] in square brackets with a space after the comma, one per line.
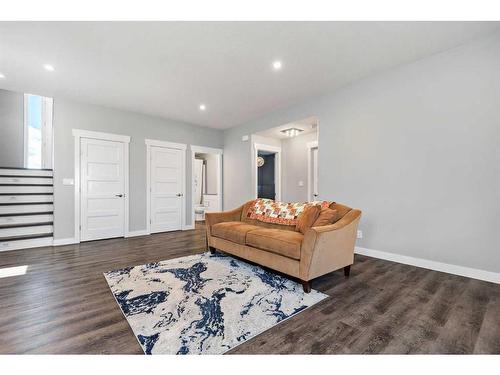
[269, 211]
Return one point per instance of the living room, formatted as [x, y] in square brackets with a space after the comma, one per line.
[249, 187]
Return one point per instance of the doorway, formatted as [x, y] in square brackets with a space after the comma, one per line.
[266, 168]
[267, 171]
[206, 181]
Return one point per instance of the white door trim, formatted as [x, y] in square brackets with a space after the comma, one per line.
[178, 146]
[78, 134]
[102, 136]
[310, 146]
[206, 150]
[157, 143]
[277, 175]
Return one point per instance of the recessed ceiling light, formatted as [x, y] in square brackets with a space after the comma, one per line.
[203, 107]
[277, 65]
[49, 67]
[2, 75]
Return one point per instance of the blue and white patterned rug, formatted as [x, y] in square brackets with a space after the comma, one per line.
[203, 304]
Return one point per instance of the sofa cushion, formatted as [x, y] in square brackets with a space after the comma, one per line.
[282, 242]
[341, 210]
[234, 231]
[326, 216]
[307, 218]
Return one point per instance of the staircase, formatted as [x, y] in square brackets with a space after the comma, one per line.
[26, 208]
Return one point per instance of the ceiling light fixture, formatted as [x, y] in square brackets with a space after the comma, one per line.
[2, 76]
[203, 107]
[277, 65]
[292, 132]
[49, 67]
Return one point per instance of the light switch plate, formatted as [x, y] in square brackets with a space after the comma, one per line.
[68, 181]
[301, 183]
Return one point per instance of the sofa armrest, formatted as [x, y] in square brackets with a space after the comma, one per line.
[329, 247]
[212, 218]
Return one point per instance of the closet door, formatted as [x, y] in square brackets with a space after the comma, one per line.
[102, 189]
[166, 189]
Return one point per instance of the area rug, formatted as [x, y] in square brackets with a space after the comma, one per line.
[203, 304]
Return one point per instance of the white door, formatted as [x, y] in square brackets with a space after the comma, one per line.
[102, 189]
[167, 189]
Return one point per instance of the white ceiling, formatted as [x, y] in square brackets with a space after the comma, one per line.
[168, 68]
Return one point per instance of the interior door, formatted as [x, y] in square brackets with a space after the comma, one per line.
[102, 189]
[167, 189]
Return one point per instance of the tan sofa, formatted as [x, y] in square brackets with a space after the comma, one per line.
[306, 256]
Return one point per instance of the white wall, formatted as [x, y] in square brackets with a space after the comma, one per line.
[211, 170]
[70, 115]
[11, 129]
[416, 148]
[294, 167]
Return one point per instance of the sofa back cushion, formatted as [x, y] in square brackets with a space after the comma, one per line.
[326, 216]
[307, 218]
[341, 209]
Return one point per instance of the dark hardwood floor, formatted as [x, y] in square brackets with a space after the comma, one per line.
[63, 305]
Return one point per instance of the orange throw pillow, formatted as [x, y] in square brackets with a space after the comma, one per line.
[307, 218]
[326, 216]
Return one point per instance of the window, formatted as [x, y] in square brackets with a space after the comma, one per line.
[37, 132]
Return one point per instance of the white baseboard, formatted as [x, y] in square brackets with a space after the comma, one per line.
[188, 227]
[473, 273]
[65, 241]
[137, 233]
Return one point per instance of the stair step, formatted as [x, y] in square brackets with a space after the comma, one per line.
[26, 230]
[22, 225]
[27, 169]
[26, 185]
[26, 172]
[28, 213]
[25, 237]
[22, 189]
[19, 199]
[26, 219]
[22, 176]
[26, 194]
[23, 203]
[26, 207]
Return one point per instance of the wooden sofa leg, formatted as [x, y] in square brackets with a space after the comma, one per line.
[347, 271]
[307, 286]
[212, 249]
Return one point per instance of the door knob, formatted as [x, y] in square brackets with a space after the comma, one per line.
[179, 194]
[119, 195]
